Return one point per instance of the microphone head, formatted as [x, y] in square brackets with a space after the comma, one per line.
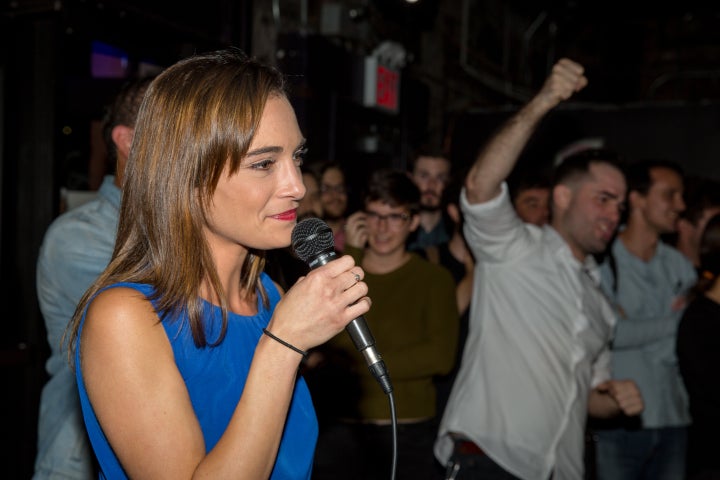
[310, 238]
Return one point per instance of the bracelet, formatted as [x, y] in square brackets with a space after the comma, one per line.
[280, 340]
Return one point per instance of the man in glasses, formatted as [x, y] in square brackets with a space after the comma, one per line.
[414, 320]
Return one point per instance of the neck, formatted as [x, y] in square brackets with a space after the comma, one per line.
[640, 240]
[576, 251]
[429, 219]
[229, 258]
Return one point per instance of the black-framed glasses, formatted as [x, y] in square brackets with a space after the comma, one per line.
[395, 220]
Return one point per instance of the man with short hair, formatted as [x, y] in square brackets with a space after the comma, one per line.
[75, 250]
[647, 281]
[431, 174]
[536, 360]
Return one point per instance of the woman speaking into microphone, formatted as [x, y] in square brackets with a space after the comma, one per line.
[186, 354]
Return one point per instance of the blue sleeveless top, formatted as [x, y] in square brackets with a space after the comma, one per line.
[215, 378]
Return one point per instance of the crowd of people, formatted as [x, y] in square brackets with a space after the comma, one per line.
[555, 325]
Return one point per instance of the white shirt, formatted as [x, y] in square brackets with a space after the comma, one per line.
[538, 342]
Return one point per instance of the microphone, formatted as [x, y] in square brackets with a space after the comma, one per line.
[313, 243]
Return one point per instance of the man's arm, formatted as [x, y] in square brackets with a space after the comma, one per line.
[498, 157]
[614, 397]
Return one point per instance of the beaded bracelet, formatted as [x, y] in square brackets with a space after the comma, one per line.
[280, 340]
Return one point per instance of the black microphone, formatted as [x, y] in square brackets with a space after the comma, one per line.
[314, 244]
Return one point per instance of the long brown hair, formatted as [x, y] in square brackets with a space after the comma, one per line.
[198, 117]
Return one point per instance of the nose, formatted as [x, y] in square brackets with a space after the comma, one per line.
[292, 182]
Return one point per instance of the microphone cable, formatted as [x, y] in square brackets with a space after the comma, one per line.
[393, 417]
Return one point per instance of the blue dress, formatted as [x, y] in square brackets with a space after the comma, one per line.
[215, 378]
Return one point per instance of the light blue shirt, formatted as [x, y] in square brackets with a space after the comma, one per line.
[76, 249]
[649, 300]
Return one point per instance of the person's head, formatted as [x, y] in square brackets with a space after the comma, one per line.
[530, 195]
[392, 205]
[655, 195]
[709, 254]
[310, 205]
[588, 194]
[119, 123]
[333, 191]
[214, 167]
[702, 202]
[431, 173]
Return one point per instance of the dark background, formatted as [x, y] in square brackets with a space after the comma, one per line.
[468, 64]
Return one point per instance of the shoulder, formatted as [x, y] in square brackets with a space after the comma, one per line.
[83, 223]
[670, 253]
[121, 325]
[120, 309]
[677, 260]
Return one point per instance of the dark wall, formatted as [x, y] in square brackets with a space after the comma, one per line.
[688, 134]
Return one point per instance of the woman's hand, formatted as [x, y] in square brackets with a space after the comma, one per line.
[320, 304]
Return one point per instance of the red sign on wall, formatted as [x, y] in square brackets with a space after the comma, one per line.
[388, 85]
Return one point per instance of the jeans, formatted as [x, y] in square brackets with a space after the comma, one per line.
[648, 454]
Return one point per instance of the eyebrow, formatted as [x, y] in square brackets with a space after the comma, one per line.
[609, 194]
[273, 149]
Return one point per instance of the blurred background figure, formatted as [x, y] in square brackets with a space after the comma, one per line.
[647, 282]
[530, 195]
[431, 173]
[702, 201]
[414, 320]
[76, 249]
[539, 326]
[334, 199]
[698, 351]
[310, 205]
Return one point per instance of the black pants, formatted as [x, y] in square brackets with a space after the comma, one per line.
[364, 452]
